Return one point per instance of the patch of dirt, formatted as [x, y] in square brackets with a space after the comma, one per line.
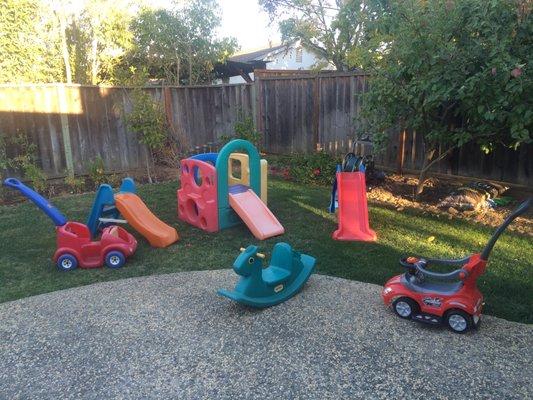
[399, 192]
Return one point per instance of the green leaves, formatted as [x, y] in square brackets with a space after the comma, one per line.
[26, 54]
[147, 119]
[99, 40]
[333, 29]
[455, 71]
[179, 45]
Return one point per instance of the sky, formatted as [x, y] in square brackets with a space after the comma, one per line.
[248, 23]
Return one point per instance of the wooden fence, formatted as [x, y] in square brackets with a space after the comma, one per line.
[308, 112]
[71, 125]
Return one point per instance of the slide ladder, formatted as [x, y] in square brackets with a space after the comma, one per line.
[255, 214]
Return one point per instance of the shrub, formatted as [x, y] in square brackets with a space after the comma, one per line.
[97, 172]
[25, 161]
[244, 128]
[35, 175]
[315, 168]
[76, 185]
[455, 72]
[147, 119]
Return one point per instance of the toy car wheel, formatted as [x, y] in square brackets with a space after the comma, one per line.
[115, 259]
[405, 307]
[459, 321]
[67, 262]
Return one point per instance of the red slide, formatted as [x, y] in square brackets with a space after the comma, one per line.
[353, 209]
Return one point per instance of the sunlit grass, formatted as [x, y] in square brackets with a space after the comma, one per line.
[28, 242]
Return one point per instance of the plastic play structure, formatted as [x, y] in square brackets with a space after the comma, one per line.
[107, 207]
[212, 198]
[264, 287]
[74, 245]
[349, 187]
[452, 298]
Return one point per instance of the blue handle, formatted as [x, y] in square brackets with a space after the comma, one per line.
[52, 212]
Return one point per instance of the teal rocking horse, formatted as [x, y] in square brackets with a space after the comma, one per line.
[264, 287]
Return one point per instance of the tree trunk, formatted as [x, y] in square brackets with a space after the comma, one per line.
[428, 156]
[190, 65]
[429, 161]
[64, 46]
[94, 59]
[178, 67]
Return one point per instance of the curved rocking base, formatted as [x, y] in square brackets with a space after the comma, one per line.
[275, 298]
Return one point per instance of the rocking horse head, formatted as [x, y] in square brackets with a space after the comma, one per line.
[249, 262]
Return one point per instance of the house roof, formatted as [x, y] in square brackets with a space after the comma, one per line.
[258, 55]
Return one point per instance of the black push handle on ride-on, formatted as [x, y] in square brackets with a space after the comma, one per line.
[522, 208]
[450, 276]
[459, 261]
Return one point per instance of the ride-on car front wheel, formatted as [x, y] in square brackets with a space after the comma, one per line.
[459, 321]
[115, 259]
[404, 307]
[67, 262]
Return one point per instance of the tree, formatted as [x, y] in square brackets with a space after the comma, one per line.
[159, 44]
[331, 28]
[178, 45]
[26, 53]
[61, 10]
[100, 37]
[147, 120]
[455, 71]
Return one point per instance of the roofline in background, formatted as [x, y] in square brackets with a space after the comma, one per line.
[304, 74]
[273, 50]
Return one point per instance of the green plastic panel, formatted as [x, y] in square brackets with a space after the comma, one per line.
[226, 216]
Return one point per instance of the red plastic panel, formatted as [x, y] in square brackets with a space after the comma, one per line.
[353, 209]
[197, 197]
[74, 238]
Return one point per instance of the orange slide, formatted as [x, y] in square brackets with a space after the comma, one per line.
[144, 221]
[255, 214]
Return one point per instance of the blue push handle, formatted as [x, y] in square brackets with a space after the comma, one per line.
[52, 212]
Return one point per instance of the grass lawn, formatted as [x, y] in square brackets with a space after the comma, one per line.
[28, 242]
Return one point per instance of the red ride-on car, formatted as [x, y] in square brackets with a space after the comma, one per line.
[74, 247]
[453, 298]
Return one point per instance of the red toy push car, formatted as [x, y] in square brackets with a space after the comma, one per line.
[74, 247]
[450, 298]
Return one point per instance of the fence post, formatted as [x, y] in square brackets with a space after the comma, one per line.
[167, 101]
[65, 132]
[401, 152]
[258, 94]
[253, 101]
[316, 111]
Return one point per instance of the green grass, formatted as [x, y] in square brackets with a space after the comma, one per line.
[28, 242]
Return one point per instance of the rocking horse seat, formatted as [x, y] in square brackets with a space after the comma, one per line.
[273, 276]
[279, 269]
[264, 287]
